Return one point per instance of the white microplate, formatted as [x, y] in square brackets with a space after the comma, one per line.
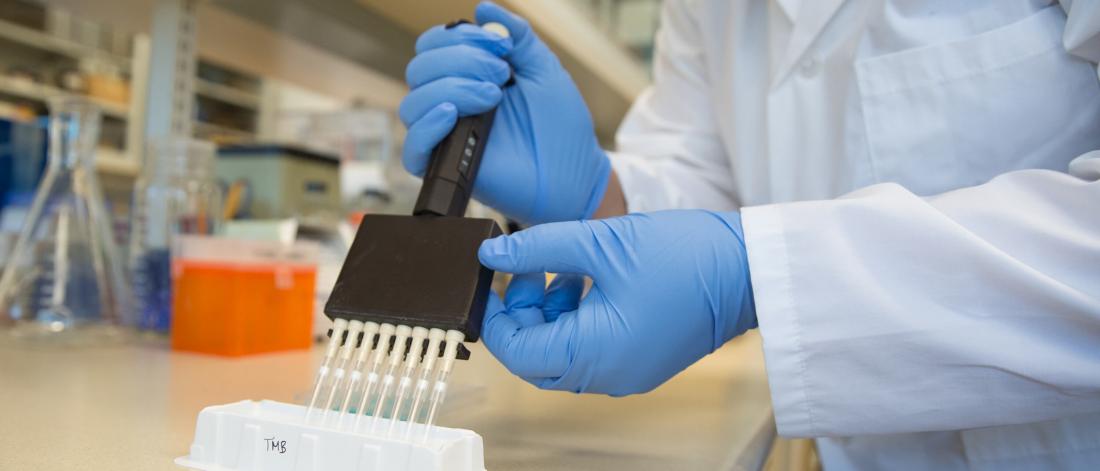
[273, 436]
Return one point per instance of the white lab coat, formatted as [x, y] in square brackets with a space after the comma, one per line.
[921, 211]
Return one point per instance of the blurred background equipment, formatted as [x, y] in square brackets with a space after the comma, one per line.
[176, 194]
[364, 140]
[47, 51]
[285, 181]
[65, 269]
[237, 297]
[22, 155]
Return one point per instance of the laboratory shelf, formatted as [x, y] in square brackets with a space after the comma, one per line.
[207, 128]
[226, 94]
[61, 46]
[116, 162]
[606, 73]
[41, 93]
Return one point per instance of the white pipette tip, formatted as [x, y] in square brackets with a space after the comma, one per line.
[387, 329]
[354, 329]
[385, 332]
[455, 336]
[454, 339]
[337, 338]
[403, 331]
[334, 342]
[370, 329]
[435, 336]
[400, 343]
[416, 348]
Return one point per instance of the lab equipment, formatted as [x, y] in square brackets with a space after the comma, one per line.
[236, 297]
[667, 289]
[370, 329]
[339, 326]
[419, 334]
[273, 436]
[22, 157]
[175, 195]
[284, 181]
[544, 163]
[355, 328]
[416, 278]
[66, 270]
[364, 139]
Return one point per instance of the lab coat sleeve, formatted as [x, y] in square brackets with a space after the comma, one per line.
[885, 312]
[1082, 35]
[669, 153]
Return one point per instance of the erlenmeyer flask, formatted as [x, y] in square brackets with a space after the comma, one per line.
[65, 270]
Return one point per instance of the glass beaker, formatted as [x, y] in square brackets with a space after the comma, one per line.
[176, 194]
[65, 270]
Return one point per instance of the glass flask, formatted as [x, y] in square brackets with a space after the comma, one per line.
[66, 270]
[176, 194]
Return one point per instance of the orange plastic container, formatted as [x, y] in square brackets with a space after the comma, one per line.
[235, 297]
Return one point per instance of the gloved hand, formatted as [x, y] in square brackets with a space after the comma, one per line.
[667, 289]
[542, 162]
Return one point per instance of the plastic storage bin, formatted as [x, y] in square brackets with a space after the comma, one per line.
[236, 297]
[272, 436]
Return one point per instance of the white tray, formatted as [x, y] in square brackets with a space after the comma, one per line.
[273, 436]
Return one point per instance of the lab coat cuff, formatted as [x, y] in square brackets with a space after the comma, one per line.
[633, 182]
[777, 314]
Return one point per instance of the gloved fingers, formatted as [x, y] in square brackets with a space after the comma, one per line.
[563, 295]
[425, 134]
[468, 96]
[529, 53]
[524, 298]
[559, 247]
[457, 61]
[525, 290]
[469, 34]
[540, 351]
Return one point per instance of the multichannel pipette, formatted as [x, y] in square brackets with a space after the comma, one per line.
[411, 291]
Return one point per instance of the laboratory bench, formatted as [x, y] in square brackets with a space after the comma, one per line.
[132, 404]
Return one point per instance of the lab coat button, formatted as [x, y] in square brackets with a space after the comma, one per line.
[808, 67]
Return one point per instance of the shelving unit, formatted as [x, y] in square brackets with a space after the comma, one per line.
[207, 130]
[607, 73]
[115, 162]
[226, 93]
[41, 53]
[41, 93]
[61, 46]
[227, 104]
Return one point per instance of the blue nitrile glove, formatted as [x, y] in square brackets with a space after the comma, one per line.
[542, 163]
[667, 289]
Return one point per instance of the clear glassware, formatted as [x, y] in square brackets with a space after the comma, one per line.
[66, 270]
[176, 194]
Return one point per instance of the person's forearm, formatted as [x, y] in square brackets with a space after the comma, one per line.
[613, 203]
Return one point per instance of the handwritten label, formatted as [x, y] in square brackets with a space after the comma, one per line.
[275, 446]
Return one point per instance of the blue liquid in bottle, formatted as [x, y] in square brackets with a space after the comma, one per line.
[153, 290]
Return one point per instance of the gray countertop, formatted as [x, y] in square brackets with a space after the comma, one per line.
[133, 405]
